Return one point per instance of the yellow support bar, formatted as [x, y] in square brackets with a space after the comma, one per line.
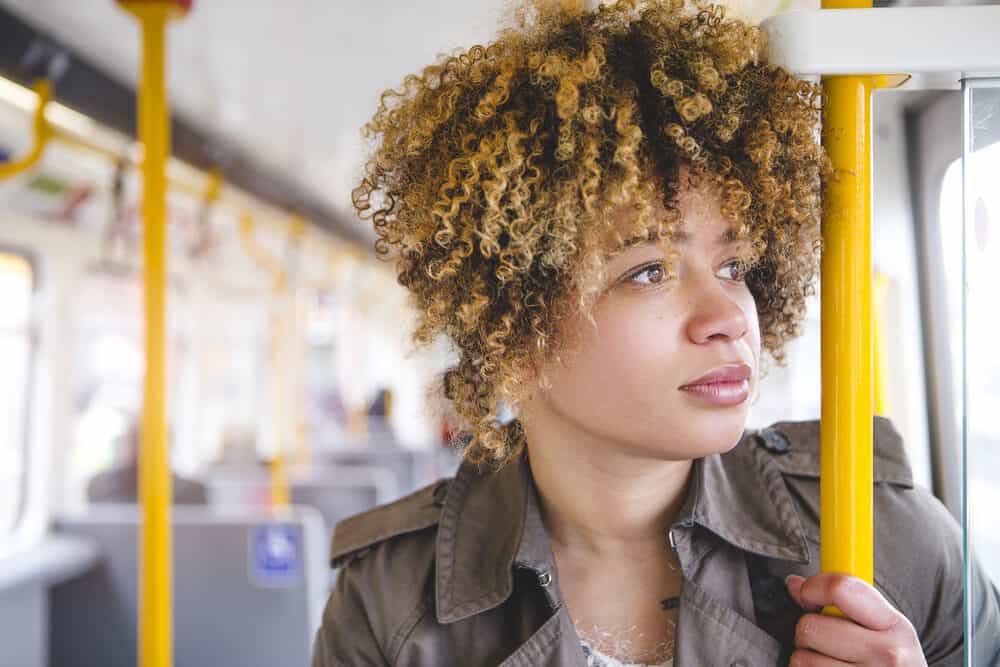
[156, 547]
[846, 434]
[298, 229]
[212, 187]
[280, 491]
[41, 130]
[846, 428]
[266, 261]
[846, 457]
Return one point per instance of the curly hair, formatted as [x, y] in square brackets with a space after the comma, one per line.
[494, 172]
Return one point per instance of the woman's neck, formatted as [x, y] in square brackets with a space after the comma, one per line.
[598, 502]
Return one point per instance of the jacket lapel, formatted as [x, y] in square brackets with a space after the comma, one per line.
[712, 633]
[740, 497]
[481, 529]
[554, 645]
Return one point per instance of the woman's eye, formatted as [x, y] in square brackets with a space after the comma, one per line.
[732, 270]
[653, 274]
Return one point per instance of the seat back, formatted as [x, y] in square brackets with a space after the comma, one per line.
[249, 587]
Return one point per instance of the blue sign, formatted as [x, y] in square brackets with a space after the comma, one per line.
[276, 555]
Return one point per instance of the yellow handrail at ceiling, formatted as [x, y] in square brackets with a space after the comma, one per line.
[41, 130]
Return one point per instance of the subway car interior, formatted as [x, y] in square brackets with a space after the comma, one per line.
[287, 392]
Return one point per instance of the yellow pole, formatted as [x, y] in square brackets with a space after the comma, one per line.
[281, 495]
[846, 457]
[298, 450]
[280, 491]
[156, 548]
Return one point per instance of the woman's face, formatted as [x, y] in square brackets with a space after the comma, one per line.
[627, 382]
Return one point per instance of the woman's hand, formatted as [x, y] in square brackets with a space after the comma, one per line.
[873, 632]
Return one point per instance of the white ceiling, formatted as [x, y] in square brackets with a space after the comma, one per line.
[292, 81]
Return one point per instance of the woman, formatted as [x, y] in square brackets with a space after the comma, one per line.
[613, 215]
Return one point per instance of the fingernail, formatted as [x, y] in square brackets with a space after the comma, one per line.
[788, 578]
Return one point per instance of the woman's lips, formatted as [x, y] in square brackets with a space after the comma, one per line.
[720, 393]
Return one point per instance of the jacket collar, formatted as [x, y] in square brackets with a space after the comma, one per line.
[491, 521]
[740, 497]
[481, 530]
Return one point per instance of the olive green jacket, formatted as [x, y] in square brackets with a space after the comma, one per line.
[462, 572]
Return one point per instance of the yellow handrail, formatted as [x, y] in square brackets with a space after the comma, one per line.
[848, 400]
[263, 259]
[846, 422]
[213, 187]
[846, 456]
[155, 578]
[280, 491]
[41, 130]
[298, 228]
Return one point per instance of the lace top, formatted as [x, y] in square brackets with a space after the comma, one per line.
[597, 659]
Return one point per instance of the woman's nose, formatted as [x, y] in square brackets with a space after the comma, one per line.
[714, 313]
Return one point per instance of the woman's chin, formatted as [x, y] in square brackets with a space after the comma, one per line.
[702, 436]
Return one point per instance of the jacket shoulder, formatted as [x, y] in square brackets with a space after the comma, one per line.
[355, 536]
[795, 449]
[917, 543]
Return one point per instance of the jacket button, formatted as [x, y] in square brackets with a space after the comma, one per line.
[545, 579]
[774, 441]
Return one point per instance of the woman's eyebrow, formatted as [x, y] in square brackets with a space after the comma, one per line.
[726, 238]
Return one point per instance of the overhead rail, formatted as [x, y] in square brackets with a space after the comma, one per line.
[41, 131]
[69, 128]
[59, 124]
[89, 91]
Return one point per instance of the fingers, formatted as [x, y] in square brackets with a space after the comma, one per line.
[859, 601]
[835, 637]
[805, 658]
[794, 583]
[873, 632]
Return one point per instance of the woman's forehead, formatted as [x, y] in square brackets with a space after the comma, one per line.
[700, 223]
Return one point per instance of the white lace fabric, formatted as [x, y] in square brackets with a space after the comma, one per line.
[597, 659]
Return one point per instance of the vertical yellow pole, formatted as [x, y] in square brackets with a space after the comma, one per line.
[155, 550]
[281, 495]
[298, 449]
[280, 492]
[846, 457]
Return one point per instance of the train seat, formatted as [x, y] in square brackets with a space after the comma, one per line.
[249, 586]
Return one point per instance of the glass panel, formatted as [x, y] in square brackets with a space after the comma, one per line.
[15, 355]
[981, 320]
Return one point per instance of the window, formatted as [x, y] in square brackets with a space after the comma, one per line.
[970, 207]
[16, 289]
[107, 376]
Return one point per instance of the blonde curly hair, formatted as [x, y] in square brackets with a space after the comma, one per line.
[495, 170]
